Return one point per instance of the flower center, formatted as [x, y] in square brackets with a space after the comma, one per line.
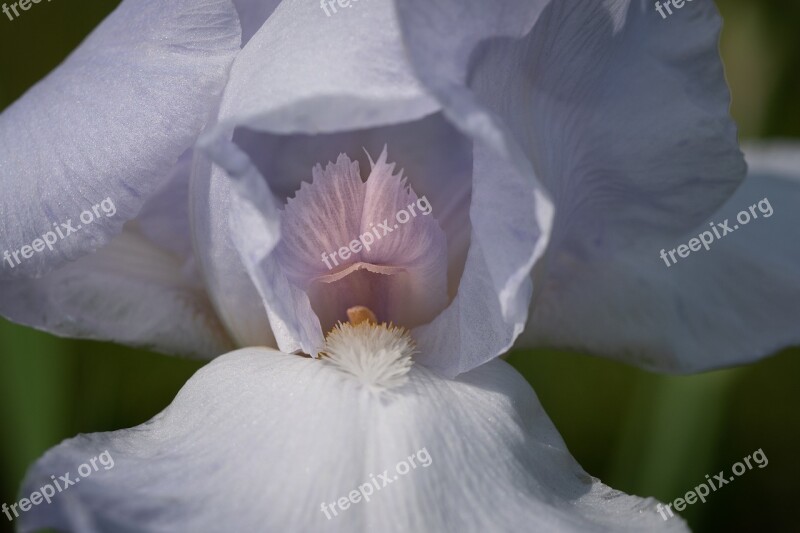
[376, 355]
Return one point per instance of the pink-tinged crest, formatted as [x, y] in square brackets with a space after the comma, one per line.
[347, 242]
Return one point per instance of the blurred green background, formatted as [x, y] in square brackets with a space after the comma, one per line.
[641, 433]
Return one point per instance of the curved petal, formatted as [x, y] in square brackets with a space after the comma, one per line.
[737, 301]
[574, 90]
[142, 289]
[511, 220]
[306, 72]
[350, 88]
[109, 123]
[220, 218]
[260, 441]
[623, 116]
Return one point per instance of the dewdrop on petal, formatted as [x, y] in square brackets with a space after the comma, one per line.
[377, 355]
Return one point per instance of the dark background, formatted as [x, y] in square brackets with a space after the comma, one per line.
[641, 433]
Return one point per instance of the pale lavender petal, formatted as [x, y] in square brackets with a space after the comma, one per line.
[259, 440]
[511, 220]
[214, 203]
[588, 91]
[142, 289]
[110, 122]
[731, 304]
[130, 292]
[583, 93]
[280, 60]
[355, 98]
[253, 227]
[164, 218]
[345, 77]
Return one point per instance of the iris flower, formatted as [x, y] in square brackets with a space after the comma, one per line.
[548, 151]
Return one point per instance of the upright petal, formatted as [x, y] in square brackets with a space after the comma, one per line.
[352, 91]
[292, 80]
[110, 122]
[733, 301]
[624, 117]
[214, 206]
[263, 441]
[350, 72]
[511, 220]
